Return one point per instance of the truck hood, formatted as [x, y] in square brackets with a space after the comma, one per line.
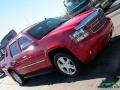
[74, 21]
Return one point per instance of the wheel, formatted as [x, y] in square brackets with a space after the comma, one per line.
[67, 64]
[19, 79]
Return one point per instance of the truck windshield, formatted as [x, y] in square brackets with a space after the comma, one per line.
[71, 4]
[44, 27]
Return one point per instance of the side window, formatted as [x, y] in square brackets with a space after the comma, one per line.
[24, 42]
[13, 49]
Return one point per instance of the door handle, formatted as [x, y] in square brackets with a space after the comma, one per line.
[24, 57]
[14, 61]
[91, 39]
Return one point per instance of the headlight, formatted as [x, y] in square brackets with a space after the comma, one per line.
[79, 35]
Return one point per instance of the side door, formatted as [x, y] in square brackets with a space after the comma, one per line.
[31, 55]
[25, 44]
[14, 54]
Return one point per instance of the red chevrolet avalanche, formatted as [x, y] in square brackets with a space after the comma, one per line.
[57, 43]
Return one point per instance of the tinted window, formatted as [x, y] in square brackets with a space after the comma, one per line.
[13, 49]
[45, 27]
[24, 42]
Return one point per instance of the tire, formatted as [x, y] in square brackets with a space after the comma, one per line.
[16, 77]
[67, 64]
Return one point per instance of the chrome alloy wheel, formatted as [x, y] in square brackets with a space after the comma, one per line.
[66, 65]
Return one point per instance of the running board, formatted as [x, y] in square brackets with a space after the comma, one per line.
[37, 74]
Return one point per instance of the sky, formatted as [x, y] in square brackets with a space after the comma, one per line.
[18, 14]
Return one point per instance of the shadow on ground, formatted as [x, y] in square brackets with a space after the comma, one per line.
[100, 66]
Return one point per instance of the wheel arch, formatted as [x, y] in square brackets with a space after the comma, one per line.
[52, 52]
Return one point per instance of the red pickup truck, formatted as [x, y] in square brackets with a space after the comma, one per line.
[57, 43]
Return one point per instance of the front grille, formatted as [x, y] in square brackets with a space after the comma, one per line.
[99, 21]
[96, 20]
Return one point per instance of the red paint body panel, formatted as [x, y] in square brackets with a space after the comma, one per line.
[30, 61]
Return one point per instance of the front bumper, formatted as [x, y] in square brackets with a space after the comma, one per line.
[85, 51]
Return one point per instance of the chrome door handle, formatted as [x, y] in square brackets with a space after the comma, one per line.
[24, 57]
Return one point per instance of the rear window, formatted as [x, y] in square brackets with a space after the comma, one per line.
[44, 27]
